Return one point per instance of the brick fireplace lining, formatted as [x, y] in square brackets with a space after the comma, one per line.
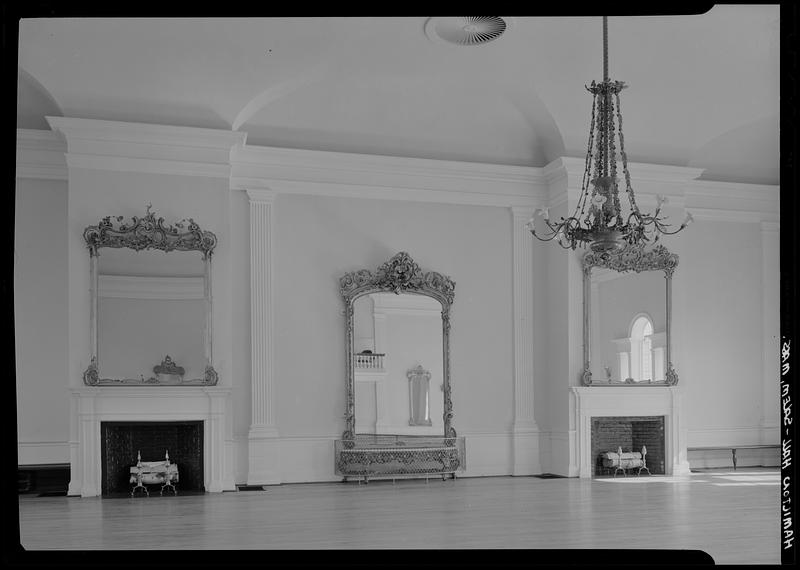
[120, 442]
[631, 433]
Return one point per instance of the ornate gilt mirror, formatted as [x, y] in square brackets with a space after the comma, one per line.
[150, 302]
[627, 310]
[397, 326]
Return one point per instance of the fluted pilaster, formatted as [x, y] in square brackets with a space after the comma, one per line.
[526, 436]
[263, 444]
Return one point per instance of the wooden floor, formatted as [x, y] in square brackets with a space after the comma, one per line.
[733, 516]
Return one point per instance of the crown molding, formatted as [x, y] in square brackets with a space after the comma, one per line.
[137, 147]
[705, 199]
[99, 130]
[384, 177]
[40, 154]
[733, 201]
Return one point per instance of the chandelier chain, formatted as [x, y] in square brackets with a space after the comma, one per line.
[624, 157]
[605, 48]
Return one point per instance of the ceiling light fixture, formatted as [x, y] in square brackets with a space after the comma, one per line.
[599, 218]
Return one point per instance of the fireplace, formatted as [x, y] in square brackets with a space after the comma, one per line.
[207, 406]
[631, 433]
[120, 442]
[648, 409]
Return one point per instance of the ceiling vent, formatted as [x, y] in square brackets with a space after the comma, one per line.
[466, 30]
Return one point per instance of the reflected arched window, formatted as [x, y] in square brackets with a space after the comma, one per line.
[642, 349]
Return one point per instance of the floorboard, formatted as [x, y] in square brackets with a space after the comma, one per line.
[733, 516]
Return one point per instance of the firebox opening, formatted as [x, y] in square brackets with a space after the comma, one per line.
[631, 433]
[121, 441]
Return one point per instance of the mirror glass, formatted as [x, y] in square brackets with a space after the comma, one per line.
[398, 364]
[628, 326]
[151, 313]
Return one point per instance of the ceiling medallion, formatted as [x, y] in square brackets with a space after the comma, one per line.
[466, 30]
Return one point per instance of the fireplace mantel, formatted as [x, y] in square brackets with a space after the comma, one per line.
[629, 400]
[92, 405]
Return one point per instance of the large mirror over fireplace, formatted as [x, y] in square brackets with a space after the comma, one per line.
[398, 415]
[627, 317]
[150, 302]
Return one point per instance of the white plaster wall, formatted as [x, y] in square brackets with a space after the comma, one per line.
[40, 320]
[717, 323]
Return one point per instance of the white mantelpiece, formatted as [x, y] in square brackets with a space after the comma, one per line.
[93, 405]
[599, 401]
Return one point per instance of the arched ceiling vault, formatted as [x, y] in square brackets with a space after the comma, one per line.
[703, 90]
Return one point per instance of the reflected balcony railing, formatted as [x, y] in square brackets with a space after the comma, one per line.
[369, 360]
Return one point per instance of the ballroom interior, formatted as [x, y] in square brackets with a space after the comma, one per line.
[293, 260]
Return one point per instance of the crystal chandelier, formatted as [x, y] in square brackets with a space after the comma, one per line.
[599, 218]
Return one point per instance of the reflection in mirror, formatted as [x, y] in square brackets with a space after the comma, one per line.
[398, 364]
[628, 320]
[150, 307]
[151, 316]
[627, 304]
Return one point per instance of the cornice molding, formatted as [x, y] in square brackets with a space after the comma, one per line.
[147, 165]
[99, 130]
[385, 177]
[705, 199]
[265, 172]
[155, 149]
[40, 154]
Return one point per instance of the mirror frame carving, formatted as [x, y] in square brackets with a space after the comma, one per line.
[630, 258]
[148, 232]
[400, 274]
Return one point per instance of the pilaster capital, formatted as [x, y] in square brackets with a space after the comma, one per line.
[261, 195]
[520, 212]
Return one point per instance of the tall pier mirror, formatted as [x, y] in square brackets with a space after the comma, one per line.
[398, 406]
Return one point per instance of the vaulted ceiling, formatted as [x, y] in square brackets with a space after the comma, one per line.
[703, 89]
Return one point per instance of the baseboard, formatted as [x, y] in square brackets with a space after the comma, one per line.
[722, 458]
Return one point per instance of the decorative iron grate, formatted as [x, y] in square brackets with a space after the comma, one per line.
[376, 456]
